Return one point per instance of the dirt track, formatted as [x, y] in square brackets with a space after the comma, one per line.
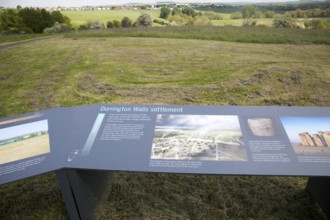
[22, 42]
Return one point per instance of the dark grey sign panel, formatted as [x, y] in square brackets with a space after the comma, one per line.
[234, 140]
[207, 139]
[29, 144]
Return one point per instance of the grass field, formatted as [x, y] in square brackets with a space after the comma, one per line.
[268, 22]
[239, 22]
[232, 34]
[80, 70]
[82, 17]
[13, 38]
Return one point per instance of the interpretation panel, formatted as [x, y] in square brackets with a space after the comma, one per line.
[206, 139]
[235, 140]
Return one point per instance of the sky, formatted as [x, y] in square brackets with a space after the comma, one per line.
[201, 122]
[20, 130]
[77, 3]
[295, 125]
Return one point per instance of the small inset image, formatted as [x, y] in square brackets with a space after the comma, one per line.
[308, 135]
[24, 141]
[198, 137]
[262, 127]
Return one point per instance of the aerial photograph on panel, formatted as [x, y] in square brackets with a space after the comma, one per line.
[308, 135]
[24, 141]
[198, 137]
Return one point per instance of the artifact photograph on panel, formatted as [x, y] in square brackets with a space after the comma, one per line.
[308, 135]
[262, 127]
[24, 141]
[198, 137]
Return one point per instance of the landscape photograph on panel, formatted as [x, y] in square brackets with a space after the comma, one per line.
[24, 141]
[308, 135]
[198, 137]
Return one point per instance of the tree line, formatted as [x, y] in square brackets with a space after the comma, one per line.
[185, 16]
[253, 12]
[178, 15]
[30, 20]
[275, 7]
[144, 20]
[293, 7]
[188, 16]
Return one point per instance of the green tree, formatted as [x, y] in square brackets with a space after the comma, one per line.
[249, 11]
[36, 19]
[160, 21]
[116, 23]
[300, 14]
[126, 22]
[58, 28]
[177, 20]
[236, 15]
[189, 11]
[57, 16]
[164, 12]
[213, 15]
[249, 22]
[47, 19]
[92, 25]
[83, 27]
[144, 20]
[317, 24]
[176, 11]
[269, 14]
[283, 21]
[258, 14]
[9, 19]
[110, 24]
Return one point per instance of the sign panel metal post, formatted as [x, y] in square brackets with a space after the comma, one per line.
[67, 194]
[319, 187]
[84, 191]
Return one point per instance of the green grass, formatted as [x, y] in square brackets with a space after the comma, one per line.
[81, 17]
[225, 10]
[239, 22]
[235, 34]
[100, 68]
[118, 68]
[16, 37]
[268, 22]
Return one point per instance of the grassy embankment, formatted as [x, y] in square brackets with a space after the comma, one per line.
[77, 70]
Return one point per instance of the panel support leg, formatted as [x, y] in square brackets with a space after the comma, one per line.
[320, 189]
[67, 194]
[84, 191]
